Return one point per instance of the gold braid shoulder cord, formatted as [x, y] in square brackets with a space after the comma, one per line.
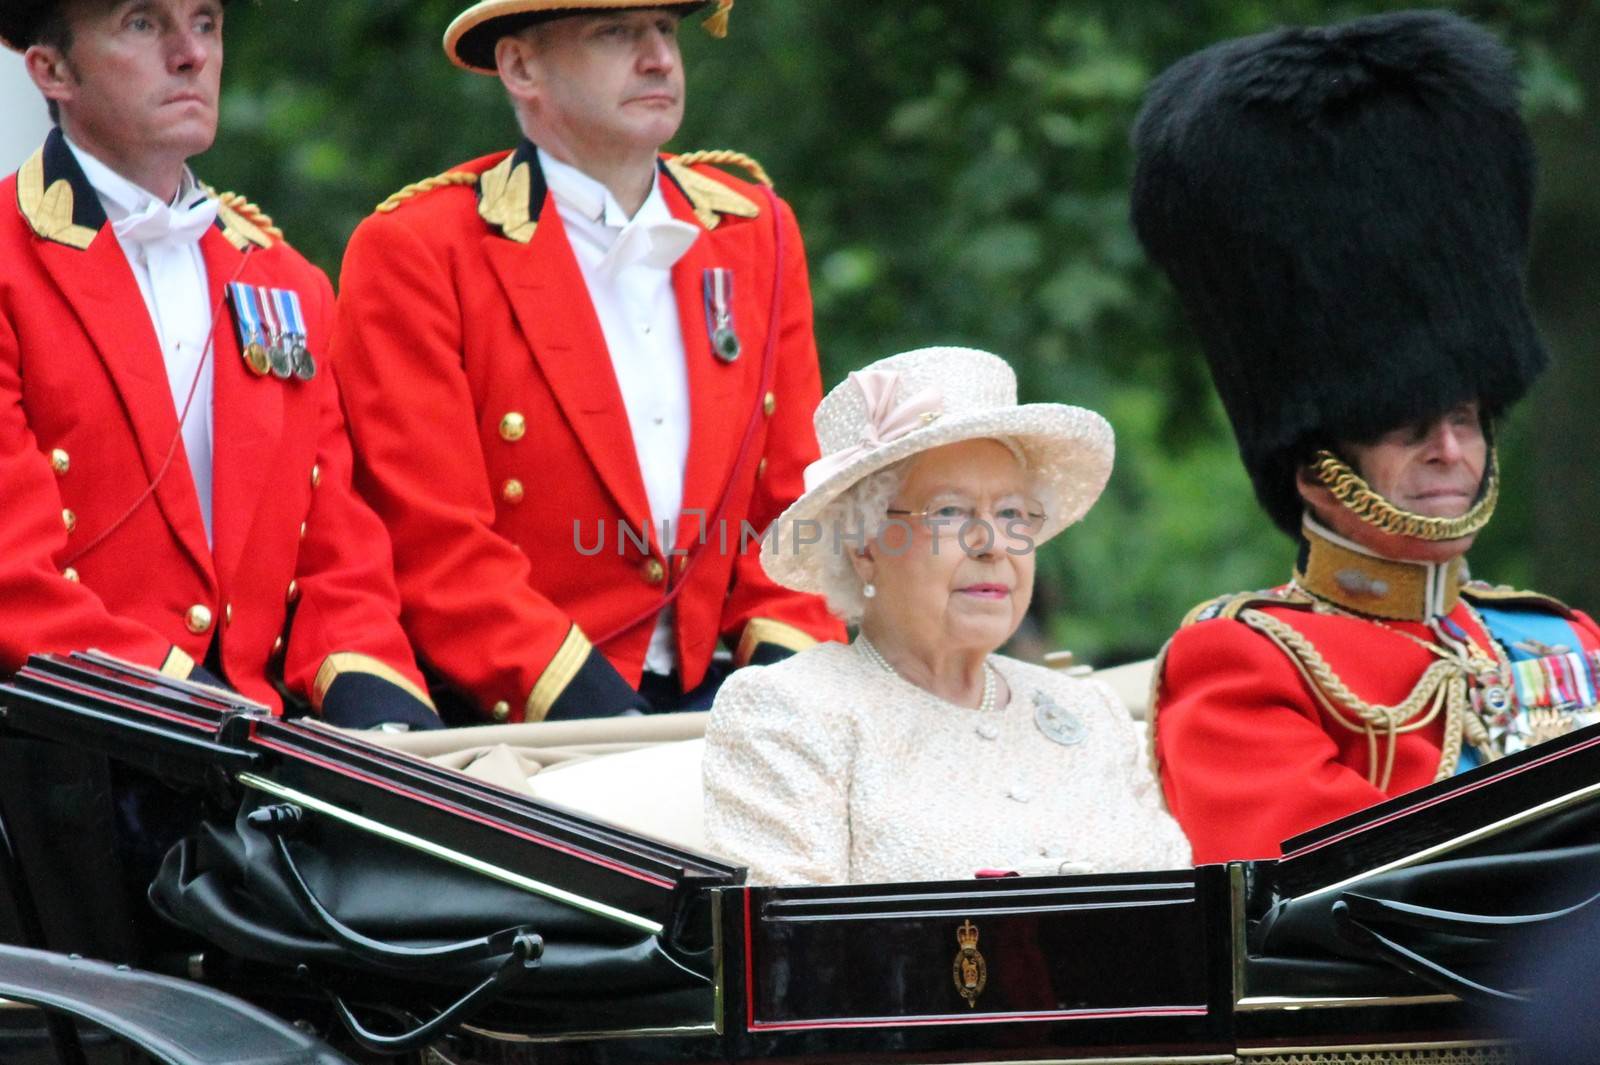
[725, 157]
[1443, 686]
[428, 184]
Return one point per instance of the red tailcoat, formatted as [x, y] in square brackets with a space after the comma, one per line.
[298, 582]
[491, 436]
[1247, 755]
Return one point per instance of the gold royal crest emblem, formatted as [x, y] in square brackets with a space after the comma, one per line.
[969, 970]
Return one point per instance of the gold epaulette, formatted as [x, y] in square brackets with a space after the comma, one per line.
[1229, 606]
[1483, 592]
[417, 188]
[724, 157]
[243, 222]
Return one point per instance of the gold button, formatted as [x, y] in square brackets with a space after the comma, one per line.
[302, 530]
[227, 613]
[198, 619]
[761, 469]
[653, 571]
[70, 574]
[679, 564]
[502, 711]
[69, 519]
[60, 461]
[769, 404]
[294, 591]
[316, 476]
[277, 646]
[513, 427]
[512, 491]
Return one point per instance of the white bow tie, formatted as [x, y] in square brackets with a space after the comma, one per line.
[655, 244]
[158, 223]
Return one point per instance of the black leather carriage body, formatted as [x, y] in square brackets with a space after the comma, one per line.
[296, 864]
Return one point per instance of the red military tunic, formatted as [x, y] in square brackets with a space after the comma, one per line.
[1249, 755]
[491, 435]
[297, 586]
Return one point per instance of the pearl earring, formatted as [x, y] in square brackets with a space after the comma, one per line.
[869, 590]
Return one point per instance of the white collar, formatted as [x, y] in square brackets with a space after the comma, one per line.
[590, 199]
[119, 196]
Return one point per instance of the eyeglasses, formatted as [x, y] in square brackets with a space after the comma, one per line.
[959, 517]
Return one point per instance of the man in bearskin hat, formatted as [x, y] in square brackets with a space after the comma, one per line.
[580, 377]
[173, 464]
[1344, 212]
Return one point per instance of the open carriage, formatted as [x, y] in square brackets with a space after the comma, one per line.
[409, 911]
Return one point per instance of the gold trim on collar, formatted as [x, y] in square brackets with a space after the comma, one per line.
[49, 211]
[354, 662]
[765, 630]
[710, 198]
[503, 192]
[1378, 587]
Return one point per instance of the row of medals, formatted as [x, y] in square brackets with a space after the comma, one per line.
[283, 356]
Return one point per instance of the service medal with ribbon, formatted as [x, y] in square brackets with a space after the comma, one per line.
[276, 330]
[718, 284]
[300, 361]
[252, 337]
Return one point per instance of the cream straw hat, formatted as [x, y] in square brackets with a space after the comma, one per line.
[924, 399]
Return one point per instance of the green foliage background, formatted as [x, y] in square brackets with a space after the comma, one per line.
[961, 171]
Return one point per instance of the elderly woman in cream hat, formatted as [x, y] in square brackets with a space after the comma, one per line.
[917, 752]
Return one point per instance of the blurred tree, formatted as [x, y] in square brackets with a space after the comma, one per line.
[961, 172]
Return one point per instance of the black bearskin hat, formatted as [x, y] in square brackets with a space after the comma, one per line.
[20, 21]
[1344, 212]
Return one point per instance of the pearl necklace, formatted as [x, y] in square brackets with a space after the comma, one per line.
[990, 687]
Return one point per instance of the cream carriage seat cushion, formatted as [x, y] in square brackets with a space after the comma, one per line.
[1131, 682]
[639, 773]
[654, 791]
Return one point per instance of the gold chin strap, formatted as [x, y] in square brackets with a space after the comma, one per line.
[1358, 497]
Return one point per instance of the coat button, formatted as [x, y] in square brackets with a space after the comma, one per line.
[653, 571]
[512, 491]
[294, 591]
[198, 619]
[302, 530]
[227, 613]
[60, 461]
[277, 646]
[316, 476]
[502, 711]
[513, 427]
[69, 519]
[70, 574]
[769, 404]
[761, 469]
[679, 564]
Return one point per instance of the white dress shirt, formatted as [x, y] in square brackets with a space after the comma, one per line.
[627, 266]
[162, 244]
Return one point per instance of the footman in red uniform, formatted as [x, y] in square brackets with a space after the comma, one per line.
[1344, 212]
[580, 378]
[173, 463]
